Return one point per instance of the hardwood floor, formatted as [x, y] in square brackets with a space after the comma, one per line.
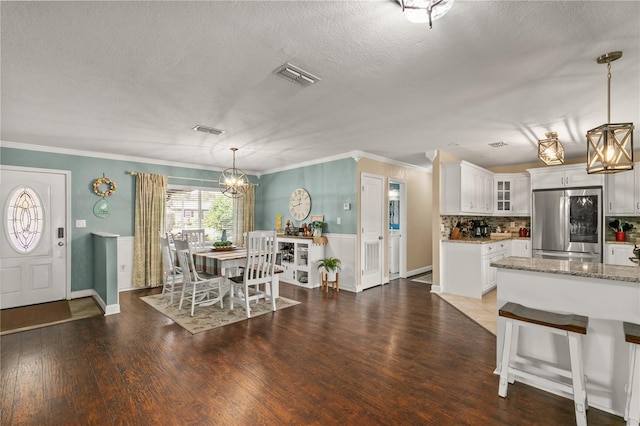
[390, 355]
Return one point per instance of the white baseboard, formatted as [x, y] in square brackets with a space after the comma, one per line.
[107, 309]
[419, 271]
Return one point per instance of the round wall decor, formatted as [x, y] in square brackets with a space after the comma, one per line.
[104, 187]
[102, 209]
[300, 204]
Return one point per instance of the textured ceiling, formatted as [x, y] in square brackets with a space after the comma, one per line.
[133, 78]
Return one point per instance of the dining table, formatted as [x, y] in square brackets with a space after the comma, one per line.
[226, 263]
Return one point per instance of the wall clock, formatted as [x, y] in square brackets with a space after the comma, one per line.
[300, 204]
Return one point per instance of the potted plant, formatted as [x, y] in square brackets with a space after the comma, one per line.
[317, 226]
[331, 266]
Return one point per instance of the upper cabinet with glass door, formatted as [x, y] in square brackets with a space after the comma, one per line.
[512, 194]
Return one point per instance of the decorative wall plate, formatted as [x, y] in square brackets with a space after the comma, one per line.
[102, 209]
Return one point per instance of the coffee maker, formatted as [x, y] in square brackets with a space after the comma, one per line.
[480, 229]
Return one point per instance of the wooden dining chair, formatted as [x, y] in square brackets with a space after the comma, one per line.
[172, 281]
[199, 290]
[259, 271]
[196, 239]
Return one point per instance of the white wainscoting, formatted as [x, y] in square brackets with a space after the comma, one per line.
[125, 263]
[343, 247]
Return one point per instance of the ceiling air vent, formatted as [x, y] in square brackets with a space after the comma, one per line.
[498, 144]
[206, 129]
[296, 75]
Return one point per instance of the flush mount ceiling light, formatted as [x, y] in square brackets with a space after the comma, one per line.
[610, 146]
[422, 11]
[233, 182]
[550, 150]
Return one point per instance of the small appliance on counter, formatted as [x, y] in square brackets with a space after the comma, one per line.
[636, 255]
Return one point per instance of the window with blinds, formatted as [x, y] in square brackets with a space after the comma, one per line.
[199, 208]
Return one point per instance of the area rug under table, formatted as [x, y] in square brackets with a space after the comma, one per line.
[210, 317]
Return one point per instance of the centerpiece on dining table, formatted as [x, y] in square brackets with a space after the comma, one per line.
[223, 246]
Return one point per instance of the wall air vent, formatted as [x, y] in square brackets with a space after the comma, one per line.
[206, 129]
[498, 144]
[296, 75]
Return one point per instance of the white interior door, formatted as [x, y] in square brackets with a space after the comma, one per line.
[373, 225]
[33, 246]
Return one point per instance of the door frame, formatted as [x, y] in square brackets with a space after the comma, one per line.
[402, 261]
[67, 214]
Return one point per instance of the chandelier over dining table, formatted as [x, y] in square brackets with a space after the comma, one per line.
[233, 182]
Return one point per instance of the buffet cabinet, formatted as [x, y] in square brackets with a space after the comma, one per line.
[298, 259]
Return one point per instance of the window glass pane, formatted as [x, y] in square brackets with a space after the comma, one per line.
[25, 219]
[199, 208]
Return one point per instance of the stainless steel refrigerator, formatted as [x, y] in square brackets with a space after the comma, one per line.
[567, 224]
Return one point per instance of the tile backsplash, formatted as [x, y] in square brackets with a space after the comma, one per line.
[632, 235]
[506, 223]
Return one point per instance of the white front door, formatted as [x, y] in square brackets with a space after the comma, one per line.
[33, 246]
[371, 218]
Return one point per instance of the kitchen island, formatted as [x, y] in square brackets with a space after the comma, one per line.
[607, 294]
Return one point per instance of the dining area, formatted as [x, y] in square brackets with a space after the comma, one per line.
[203, 275]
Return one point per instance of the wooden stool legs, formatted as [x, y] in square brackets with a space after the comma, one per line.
[571, 326]
[324, 282]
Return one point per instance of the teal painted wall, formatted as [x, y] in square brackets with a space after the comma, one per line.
[105, 271]
[330, 185]
[83, 171]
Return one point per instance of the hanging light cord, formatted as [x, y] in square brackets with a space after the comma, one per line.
[608, 91]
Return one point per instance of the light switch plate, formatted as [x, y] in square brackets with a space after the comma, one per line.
[81, 223]
[338, 221]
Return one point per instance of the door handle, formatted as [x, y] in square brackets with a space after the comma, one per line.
[60, 243]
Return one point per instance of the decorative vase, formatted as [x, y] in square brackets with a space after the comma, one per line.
[317, 232]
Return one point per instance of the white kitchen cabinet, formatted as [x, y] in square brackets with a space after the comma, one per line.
[465, 189]
[620, 193]
[512, 194]
[619, 254]
[466, 267]
[298, 260]
[563, 177]
[520, 248]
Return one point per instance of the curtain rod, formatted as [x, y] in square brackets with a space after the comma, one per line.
[186, 178]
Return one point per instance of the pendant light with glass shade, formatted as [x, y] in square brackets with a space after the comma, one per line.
[423, 11]
[610, 146]
[233, 182]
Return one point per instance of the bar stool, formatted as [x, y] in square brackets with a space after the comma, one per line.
[569, 325]
[632, 407]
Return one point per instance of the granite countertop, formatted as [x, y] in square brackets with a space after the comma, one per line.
[627, 243]
[484, 240]
[575, 268]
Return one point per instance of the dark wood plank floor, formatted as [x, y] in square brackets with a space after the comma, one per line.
[391, 355]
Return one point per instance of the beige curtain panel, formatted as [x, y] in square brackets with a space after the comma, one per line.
[245, 208]
[151, 195]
